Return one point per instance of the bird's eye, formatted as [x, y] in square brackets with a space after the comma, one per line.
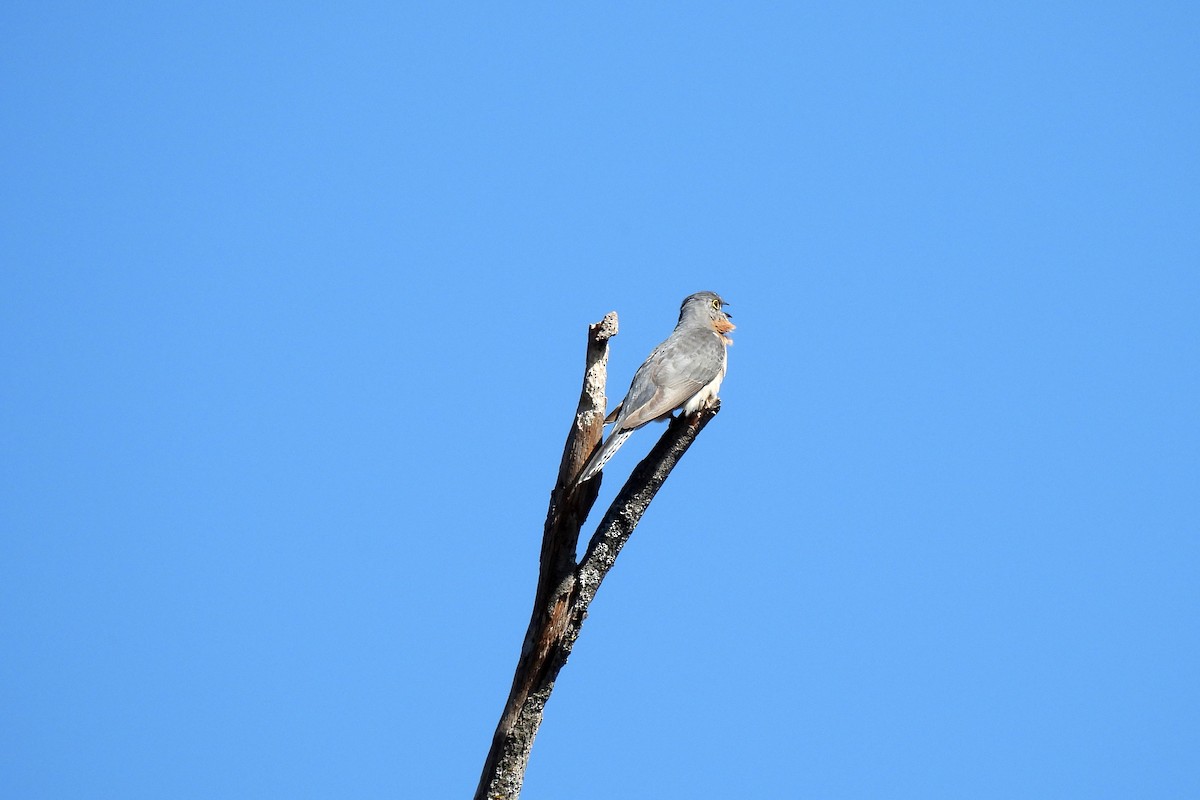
[716, 304]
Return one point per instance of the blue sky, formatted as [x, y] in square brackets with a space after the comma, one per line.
[292, 313]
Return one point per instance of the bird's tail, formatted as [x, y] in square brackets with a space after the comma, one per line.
[602, 454]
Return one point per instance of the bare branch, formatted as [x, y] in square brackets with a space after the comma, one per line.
[632, 501]
[565, 590]
[538, 665]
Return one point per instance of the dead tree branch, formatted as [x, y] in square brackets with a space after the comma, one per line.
[565, 588]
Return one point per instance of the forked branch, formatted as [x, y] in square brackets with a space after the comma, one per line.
[565, 588]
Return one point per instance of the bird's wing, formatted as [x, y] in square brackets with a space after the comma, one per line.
[678, 368]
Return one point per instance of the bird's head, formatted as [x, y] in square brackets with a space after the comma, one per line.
[706, 308]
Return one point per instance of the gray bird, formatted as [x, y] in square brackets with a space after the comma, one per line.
[684, 372]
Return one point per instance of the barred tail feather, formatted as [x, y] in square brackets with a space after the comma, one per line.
[603, 453]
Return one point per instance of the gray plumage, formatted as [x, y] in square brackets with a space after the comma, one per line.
[684, 372]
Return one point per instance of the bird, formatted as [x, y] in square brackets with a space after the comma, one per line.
[684, 372]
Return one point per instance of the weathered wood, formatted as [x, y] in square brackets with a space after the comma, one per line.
[566, 589]
[631, 503]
